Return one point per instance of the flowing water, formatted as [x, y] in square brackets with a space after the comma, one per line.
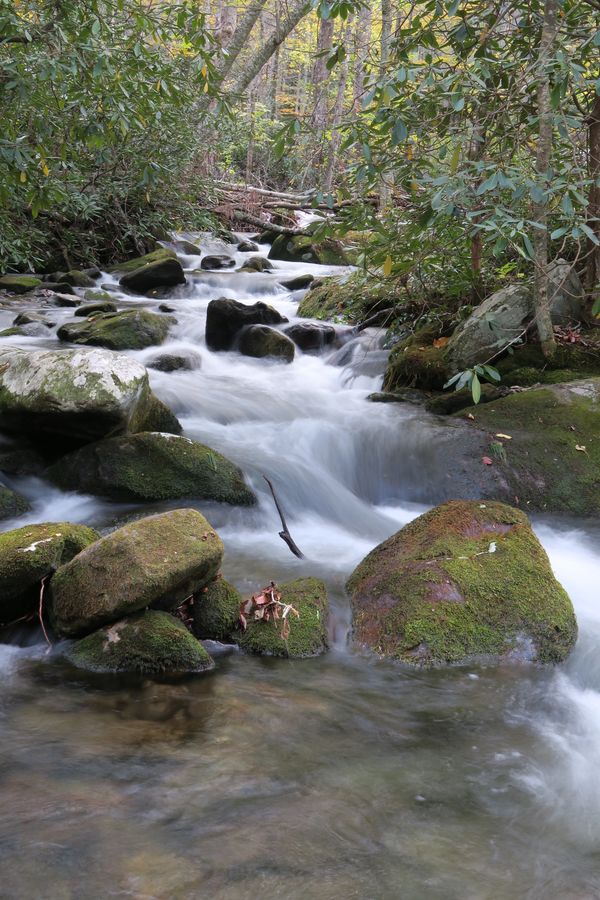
[340, 777]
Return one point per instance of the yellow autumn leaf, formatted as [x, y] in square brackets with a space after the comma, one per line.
[455, 159]
[23, 177]
[410, 152]
[44, 168]
[387, 266]
[507, 437]
[204, 70]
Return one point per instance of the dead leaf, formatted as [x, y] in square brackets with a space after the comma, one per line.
[267, 607]
[471, 416]
[440, 342]
[486, 461]
[507, 437]
[581, 448]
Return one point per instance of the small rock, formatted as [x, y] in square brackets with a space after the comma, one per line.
[257, 264]
[260, 341]
[299, 283]
[175, 362]
[311, 336]
[215, 262]
[247, 247]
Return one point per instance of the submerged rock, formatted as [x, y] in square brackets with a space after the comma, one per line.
[175, 362]
[311, 336]
[11, 503]
[82, 395]
[216, 262]
[217, 611]
[299, 283]
[260, 341]
[308, 633]
[188, 248]
[156, 561]
[29, 554]
[132, 329]
[225, 318]
[152, 466]
[465, 581]
[149, 643]
[304, 248]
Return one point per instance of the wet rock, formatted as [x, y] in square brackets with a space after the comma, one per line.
[31, 318]
[247, 247]
[166, 272]
[152, 466]
[217, 261]
[299, 283]
[217, 611]
[311, 336]
[11, 503]
[102, 306]
[19, 284]
[156, 561]
[138, 262]
[188, 248]
[408, 395]
[225, 318]
[304, 248]
[175, 362]
[261, 341]
[19, 457]
[29, 554]
[77, 278]
[65, 300]
[308, 633]
[257, 264]
[132, 329]
[149, 643]
[98, 296]
[166, 308]
[465, 581]
[81, 395]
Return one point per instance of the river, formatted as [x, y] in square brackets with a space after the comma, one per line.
[341, 777]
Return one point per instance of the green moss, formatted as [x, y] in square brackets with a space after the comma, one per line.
[77, 278]
[351, 300]
[11, 503]
[97, 296]
[541, 464]
[415, 362]
[217, 611]
[133, 329]
[19, 284]
[28, 554]
[308, 633]
[434, 593]
[150, 643]
[260, 341]
[11, 332]
[133, 264]
[304, 248]
[102, 306]
[151, 466]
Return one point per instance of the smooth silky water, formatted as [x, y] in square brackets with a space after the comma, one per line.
[340, 777]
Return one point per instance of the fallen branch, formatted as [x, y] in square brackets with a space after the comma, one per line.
[250, 189]
[41, 607]
[285, 534]
[241, 216]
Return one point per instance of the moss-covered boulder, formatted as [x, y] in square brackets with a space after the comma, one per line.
[81, 395]
[132, 329]
[11, 503]
[152, 466]
[165, 272]
[261, 341]
[29, 554]
[257, 264]
[148, 643]
[416, 362]
[304, 248]
[465, 581]
[217, 611]
[225, 319]
[156, 561]
[101, 306]
[98, 296]
[552, 460]
[350, 299]
[308, 633]
[77, 278]
[19, 284]
[138, 262]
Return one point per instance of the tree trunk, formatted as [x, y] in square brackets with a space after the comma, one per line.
[250, 69]
[240, 36]
[336, 117]
[542, 164]
[387, 178]
[593, 259]
[226, 23]
[362, 37]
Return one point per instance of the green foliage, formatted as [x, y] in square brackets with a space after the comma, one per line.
[471, 378]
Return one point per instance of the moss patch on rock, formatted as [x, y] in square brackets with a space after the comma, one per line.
[465, 581]
[149, 643]
[132, 329]
[349, 300]
[19, 284]
[304, 248]
[29, 554]
[11, 503]
[308, 633]
[138, 262]
[217, 611]
[156, 561]
[261, 341]
[415, 362]
[152, 466]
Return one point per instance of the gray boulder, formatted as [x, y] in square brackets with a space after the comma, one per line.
[132, 329]
[156, 561]
[216, 262]
[81, 394]
[260, 341]
[175, 362]
[311, 335]
[225, 318]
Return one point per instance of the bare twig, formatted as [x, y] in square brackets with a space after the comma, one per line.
[41, 606]
[285, 534]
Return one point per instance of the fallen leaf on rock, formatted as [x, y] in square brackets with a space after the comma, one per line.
[581, 448]
[471, 416]
[440, 342]
[486, 461]
[507, 437]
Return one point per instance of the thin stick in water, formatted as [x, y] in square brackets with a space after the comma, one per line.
[285, 534]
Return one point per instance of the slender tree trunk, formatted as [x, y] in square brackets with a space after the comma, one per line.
[247, 72]
[593, 260]
[336, 117]
[387, 178]
[227, 19]
[542, 163]
[240, 36]
[362, 37]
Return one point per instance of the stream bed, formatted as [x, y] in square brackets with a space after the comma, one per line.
[340, 777]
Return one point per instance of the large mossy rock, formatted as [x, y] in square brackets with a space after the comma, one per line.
[217, 611]
[11, 503]
[156, 561]
[160, 273]
[304, 248]
[81, 395]
[416, 362]
[350, 299]
[152, 466]
[257, 264]
[261, 341]
[138, 262]
[225, 318]
[149, 643]
[29, 554]
[19, 284]
[308, 633]
[466, 581]
[132, 329]
[552, 461]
